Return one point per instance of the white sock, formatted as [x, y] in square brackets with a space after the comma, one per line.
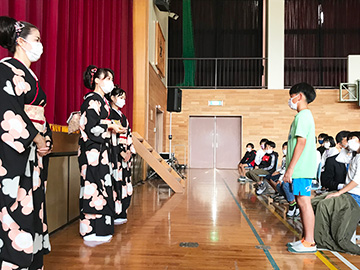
[119, 221]
[94, 237]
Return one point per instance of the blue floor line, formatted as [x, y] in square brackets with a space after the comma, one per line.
[267, 252]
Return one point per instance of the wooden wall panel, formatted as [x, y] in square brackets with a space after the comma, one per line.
[157, 97]
[141, 70]
[265, 113]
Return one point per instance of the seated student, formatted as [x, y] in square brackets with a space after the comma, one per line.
[333, 177]
[339, 212]
[267, 165]
[285, 189]
[321, 138]
[247, 160]
[330, 150]
[274, 178]
[260, 153]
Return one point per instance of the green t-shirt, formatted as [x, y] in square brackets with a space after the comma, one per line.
[303, 126]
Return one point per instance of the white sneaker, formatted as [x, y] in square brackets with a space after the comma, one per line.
[300, 248]
[94, 238]
[297, 212]
[120, 221]
[290, 244]
[291, 212]
[260, 189]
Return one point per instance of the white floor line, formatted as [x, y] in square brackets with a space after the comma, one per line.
[345, 261]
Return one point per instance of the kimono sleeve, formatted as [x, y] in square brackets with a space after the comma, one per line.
[90, 122]
[16, 129]
[130, 145]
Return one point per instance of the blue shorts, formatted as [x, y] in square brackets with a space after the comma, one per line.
[302, 186]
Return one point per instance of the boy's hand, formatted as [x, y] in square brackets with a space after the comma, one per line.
[287, 175]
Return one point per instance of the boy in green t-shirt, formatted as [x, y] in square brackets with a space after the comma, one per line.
[301, 165]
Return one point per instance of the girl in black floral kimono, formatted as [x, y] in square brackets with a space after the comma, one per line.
[123, 151]
[25, 140]
[97, 205]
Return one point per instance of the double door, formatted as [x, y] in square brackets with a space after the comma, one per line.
[214, 141]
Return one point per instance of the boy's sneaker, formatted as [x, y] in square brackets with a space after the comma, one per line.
[292, 210]
[303, 247]
[260, 189]
[290, 244]
[242, 179]
[279, 198]
[297, 212]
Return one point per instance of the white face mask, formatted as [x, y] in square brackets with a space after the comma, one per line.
[120, 102]
[107, 86]
[354, 145]
[35, 52]
[249, 149]
[269, 151]
[327, 145]
[284, 151]
[292, 105]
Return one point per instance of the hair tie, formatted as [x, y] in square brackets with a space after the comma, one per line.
[18, 28]
[92, 72]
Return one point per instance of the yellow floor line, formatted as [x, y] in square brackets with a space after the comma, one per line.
[318, 254]
[325, 261]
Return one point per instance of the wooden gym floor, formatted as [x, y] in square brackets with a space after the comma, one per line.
[228, 227]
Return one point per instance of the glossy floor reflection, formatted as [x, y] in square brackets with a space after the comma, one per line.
[233, 228]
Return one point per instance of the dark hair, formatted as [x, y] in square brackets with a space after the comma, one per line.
[251, 145]
[354, 134]
[92, 72]
[117, 91]
[341, 135]
[331, 140]
[8, 33]
[263, 140]
[284, 144]
[322, 135]
[271, 144]
[306, 89]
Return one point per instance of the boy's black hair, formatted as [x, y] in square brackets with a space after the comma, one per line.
[306, 89]
[331, 140]
[263, 140]
[322, 135]
[341, 135]
[354, 134]
[284, 144]
[270, 143]
[251, 145]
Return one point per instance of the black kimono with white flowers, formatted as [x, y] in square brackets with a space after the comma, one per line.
[24, 235]
[123, 169]
[97, 205]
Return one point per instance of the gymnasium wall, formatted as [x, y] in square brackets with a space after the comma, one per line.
[265, 113]
[157, 99]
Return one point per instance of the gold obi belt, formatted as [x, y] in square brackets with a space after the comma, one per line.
[37, 116]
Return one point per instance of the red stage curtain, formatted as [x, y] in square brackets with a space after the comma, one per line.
[76, 34]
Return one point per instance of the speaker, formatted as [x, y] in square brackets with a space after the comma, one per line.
[174, 100]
